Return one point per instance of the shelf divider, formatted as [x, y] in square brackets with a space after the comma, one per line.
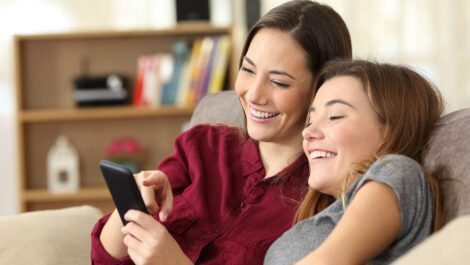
[102, 113]
[43, 195]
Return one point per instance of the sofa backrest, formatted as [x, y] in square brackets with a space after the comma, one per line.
[446, 155]
[219, 108]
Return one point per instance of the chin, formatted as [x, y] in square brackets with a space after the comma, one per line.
[257, 134]
[316, 183]
[312, 184]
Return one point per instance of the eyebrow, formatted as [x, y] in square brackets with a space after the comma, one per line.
[276, 72]
[332, 102]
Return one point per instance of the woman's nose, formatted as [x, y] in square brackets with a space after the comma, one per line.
[258, 93]
[311, 132]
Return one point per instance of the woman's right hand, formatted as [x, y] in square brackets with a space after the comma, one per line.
[156, 192]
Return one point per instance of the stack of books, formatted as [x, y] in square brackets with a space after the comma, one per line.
[186, 75]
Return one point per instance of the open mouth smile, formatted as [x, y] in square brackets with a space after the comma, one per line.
[321, 154]
[262, 115]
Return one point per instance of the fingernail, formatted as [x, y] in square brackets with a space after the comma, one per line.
[127, 215]
[163, 216]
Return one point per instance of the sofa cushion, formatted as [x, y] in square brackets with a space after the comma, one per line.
[219, 108]
[447, 158]
[48, 237]
[447, 246]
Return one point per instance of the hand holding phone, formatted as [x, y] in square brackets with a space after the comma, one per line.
[123, 188]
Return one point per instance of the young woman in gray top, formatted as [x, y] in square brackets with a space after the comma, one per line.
[367, 126]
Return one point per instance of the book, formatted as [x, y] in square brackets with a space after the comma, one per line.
[207, 70]
[154, 71]
[220, 65]
[170, 89]
[200, 69]
[183, 84]
[185, 95]
[151, 80]
[137, 98]
[165, 74]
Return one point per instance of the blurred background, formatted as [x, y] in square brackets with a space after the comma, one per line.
[432, 36]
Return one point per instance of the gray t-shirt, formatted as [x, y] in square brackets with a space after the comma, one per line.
[404, 176]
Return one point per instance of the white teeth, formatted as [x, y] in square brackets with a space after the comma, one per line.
[321, 154]
[262, 115]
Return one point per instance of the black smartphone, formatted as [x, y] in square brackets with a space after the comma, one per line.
[123, 188]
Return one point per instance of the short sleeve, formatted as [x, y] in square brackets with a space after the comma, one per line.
[407, 179]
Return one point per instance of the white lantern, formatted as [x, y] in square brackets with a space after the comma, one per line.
[62, 167]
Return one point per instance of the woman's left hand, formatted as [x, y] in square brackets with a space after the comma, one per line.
[149, 242]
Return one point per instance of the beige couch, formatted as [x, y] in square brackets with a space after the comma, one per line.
[49, 237]
[63, 236]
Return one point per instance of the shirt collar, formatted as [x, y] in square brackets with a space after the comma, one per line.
[251, 161]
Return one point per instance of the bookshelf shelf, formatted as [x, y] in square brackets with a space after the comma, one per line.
[45, 67]
[103, 113]
[196, 29]
[43, 195]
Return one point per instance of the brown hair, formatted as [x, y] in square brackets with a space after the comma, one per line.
[317, 28]
[406, 104]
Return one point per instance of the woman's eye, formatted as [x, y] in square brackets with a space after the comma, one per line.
[246, 69]
[280, 84]
[335, 118]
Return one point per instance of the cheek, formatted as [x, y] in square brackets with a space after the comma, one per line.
[305, 146]
[292, 103]
[358, 144]
[241, 84]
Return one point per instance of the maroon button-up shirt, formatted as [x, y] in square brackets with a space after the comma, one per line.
[225, 211]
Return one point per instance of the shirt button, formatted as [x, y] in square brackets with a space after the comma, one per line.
[242, 205]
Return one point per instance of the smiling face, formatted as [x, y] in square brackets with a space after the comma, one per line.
[343, 129]
[274, 85]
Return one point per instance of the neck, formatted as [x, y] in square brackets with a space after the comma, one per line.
[276, 156]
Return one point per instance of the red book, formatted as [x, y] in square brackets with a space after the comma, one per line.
[138, 99]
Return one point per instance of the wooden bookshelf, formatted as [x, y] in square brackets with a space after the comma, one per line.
[45, 66]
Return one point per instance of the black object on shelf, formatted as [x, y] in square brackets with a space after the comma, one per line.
[253, 12]
[192, 10]
[101, 90]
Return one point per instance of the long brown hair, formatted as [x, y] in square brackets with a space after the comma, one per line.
[317, 28]
[406, 104]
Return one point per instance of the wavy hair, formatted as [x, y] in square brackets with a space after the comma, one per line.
[406, 104]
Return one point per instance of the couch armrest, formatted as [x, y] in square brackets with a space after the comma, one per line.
[447, 246]
[48, 237]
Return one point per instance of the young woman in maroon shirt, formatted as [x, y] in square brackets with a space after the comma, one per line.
[224, 196]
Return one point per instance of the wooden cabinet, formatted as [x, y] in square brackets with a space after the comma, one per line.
[45, 68]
